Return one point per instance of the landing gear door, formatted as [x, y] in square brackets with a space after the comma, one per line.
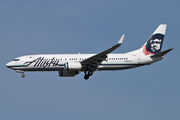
[139, 59]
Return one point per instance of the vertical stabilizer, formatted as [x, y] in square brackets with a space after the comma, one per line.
[154, 43]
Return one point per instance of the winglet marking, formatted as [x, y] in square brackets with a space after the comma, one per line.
[121, 39]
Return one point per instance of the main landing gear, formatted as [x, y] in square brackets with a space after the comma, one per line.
[87, 74]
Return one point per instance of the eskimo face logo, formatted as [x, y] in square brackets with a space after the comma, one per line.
[155, 44]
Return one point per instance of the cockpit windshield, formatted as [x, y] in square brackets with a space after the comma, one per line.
[16, 59]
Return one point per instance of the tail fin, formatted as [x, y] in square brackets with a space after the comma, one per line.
[154, 43]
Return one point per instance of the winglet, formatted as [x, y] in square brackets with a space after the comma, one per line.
[121, 39]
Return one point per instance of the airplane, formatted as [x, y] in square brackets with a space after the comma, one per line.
[69, 65]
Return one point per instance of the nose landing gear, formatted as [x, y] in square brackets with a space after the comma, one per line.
[20, 71]
[23, 75]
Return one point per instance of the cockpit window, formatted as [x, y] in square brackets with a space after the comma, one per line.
[16, 60]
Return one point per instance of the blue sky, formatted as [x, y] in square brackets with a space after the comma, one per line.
[61, 27]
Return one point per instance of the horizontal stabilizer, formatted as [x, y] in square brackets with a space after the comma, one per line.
[161, 53]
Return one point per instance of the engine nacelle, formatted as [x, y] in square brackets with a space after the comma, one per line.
[68, 73]
[72, 66]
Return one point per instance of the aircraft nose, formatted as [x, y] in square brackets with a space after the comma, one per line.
[8, 65]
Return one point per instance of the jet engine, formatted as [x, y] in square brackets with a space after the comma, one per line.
[72, 66]
[68, 73]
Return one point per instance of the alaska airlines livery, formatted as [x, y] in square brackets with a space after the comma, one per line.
[69, 65]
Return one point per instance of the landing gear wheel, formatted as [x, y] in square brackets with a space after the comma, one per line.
[86, 77]
[23, 75]
[90, 73]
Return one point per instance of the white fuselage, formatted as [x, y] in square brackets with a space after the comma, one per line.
[56, 62]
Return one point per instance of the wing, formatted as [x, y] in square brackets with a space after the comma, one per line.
[95, 60]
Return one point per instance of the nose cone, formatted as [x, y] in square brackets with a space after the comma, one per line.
[9, 64]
